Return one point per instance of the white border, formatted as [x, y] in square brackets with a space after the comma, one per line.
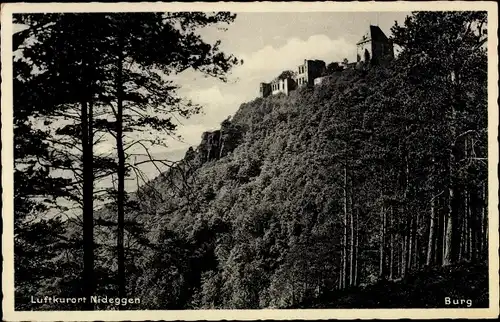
[7, 162]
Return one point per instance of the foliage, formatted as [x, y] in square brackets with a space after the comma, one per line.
[333, 67]
[286, 74]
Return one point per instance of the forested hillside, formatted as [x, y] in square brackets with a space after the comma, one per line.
[377, 177]
[373, 176]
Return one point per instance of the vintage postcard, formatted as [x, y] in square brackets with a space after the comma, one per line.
[245, 161]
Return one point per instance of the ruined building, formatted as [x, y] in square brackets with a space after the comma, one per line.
[265, 89]
[310, 70]
[278, 85]
[305, 76]
[374, 47]
[282, 85]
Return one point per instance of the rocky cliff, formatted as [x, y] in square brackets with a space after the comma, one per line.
[216, 144]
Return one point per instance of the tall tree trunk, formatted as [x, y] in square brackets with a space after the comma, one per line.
[121, 175]
[351, 243]
[430, 243]
[409, 249]
[403, 249]
[88, 204]
[467, 253]
[474, 225]
[469, 230]
[416, 244]
[406, 247]
[447, 256]
[382, 243]
[443, 233]
[356, 249]
[484, 223]
[461, 248]
[449, 223]
[341, 266]
[415, 252]
[448, 235]
[344, 246]
[481, 236]
[438, 244]
[391, 248]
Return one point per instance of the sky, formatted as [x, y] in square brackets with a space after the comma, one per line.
[269, 43]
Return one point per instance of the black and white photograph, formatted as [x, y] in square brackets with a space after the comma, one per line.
[249, 160]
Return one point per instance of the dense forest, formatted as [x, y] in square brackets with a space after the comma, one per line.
[374, 183]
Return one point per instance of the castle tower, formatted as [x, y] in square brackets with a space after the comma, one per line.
[374, 46]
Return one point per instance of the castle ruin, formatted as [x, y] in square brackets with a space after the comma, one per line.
[310, 70]
[374, 47]
[304, 76]
[265, 89]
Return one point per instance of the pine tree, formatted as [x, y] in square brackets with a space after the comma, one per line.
[38, 241]
[70, 69]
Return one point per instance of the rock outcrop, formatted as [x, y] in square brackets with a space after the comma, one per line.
[211, 145]
[217, 144]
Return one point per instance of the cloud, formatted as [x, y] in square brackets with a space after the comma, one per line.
[269, 61]
[218, 102]
[209, 95]
[191, 135]
[219, 95]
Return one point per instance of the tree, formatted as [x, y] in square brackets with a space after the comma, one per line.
[150, 101]
[38, 241]
[72, 69]
[286, 74]
[333, 67]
